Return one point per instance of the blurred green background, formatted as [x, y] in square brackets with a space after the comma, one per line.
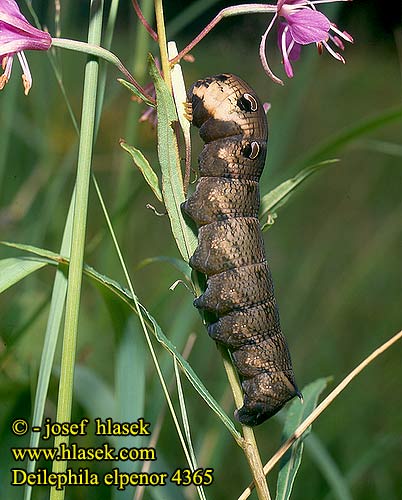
[335, 250]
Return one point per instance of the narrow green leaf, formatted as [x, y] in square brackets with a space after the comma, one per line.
[126, 296]
[14, 269]
[297, 412]
[167, 344]
[144, 167]
[41, 252]
[135, 91]
[172, 182]
[280, 195]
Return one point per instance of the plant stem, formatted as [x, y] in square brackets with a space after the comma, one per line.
[249, 444]
[78, 238]
[160, 24]
[144, 21]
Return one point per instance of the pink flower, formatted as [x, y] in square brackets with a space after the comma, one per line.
[299, 23]
[17, 35]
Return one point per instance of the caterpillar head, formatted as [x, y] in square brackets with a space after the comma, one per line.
[264, 395]
[226, 106]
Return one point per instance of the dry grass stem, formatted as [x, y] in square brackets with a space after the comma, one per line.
[321, 407]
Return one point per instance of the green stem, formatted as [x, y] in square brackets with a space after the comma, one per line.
[249, 443]
[78, 238]
[160, 24]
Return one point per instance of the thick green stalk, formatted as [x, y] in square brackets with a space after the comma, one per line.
[78, 237]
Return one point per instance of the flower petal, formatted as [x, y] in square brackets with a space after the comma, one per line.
[308, 26]
[16, 33]
[294, 53]
[11, 8]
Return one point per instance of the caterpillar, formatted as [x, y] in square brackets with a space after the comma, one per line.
[239, 295]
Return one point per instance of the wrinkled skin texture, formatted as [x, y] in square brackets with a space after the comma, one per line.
[225, 205]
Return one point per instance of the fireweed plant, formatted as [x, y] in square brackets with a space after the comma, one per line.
[297, 23]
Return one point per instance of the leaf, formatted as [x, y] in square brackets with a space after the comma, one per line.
[135, 91]
[144, 167]
[172, 182]
[41, 252]
[280, 195]
[125, 295]
[297, 412]
[14, 269]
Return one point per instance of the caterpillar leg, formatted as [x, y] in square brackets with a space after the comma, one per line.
[188, 110]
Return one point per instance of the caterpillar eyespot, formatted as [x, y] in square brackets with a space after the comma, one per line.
[247, 102]
[225, 205]
[254, 150]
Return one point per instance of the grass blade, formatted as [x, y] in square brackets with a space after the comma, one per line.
[73, 296]
[130, 397]
[296, 414]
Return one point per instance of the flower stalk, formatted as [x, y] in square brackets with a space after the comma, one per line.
[235, 10]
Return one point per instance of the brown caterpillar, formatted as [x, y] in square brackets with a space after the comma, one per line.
[230, 250]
